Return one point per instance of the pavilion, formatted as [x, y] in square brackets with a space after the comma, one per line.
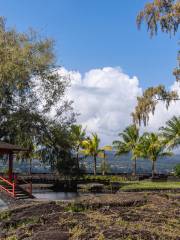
[10, 150]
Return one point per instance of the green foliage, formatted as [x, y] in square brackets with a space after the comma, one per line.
[77, 232]
[56, 149]
[171, 132]
[148, 185]
[91, 148]
[27, 73]
[166, 15]
[177, 170]
[152, 147]
[129, 143]
[5, 215]
[75, 207]
[163, 13]
[78, 136]
[111, 178]
[30, 88]
[66, 165]
[12, 238]
[147, 103]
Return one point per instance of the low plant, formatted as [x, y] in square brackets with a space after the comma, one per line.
[177, 170]
[11, 238]
[101, 237]
[75, 207]
[77, 232]
[4, 215]
[148, 185]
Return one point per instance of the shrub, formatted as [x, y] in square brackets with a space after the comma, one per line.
[177, 170]
[75, 207]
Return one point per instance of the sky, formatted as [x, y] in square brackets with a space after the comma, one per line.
[109, 60]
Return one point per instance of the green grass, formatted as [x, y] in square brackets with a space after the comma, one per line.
[4, 215]
[148, 185]
[112, 178]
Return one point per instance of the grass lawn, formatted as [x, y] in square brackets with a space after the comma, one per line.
[148, 185]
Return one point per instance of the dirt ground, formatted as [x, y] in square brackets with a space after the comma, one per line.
[130, 216]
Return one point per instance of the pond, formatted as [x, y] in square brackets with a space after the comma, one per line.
[51, 195]
[2, 205]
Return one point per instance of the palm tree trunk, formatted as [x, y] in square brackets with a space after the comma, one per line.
[103, 172]
[94, 165]
[103, 167]
[135, 167]
[77, 157]
[153, 169]
[30, 166]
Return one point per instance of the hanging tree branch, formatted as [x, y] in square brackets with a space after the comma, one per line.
[163, 14]
[147, 103]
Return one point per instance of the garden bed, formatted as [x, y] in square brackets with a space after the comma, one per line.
[127, 216]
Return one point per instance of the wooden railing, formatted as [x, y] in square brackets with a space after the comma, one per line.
[8, 183]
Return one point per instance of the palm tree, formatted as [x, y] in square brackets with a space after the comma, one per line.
[105, 167]
[129, 143]
[171, 132]
[78, 136]
[91, 148]
[151, 146]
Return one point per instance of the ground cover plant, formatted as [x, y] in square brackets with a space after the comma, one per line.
[149, 185]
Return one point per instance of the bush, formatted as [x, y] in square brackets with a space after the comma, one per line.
[177, 170]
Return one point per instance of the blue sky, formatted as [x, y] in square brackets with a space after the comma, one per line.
[98, 33]
[96, 39]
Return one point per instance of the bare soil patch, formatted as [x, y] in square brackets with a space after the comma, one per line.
[130, 216]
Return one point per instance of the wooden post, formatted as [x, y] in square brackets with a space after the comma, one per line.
[10, 172]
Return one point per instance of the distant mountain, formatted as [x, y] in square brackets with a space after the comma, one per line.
[121, 164]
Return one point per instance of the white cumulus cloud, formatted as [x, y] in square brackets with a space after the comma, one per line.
[105, 99]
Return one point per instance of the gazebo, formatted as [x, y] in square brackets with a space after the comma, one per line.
[10, 150]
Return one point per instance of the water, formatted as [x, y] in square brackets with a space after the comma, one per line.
[50, 195]
[2, 205]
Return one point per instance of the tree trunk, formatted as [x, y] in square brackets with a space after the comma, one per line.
[103, 167]
[77, 157]
[30, 166]
[103, 171]
[134, 167]
[153, 169]
[94, 165]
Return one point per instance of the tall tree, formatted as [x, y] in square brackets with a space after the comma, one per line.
[166, 15]
[31, 89]
[128, 144]
[152, 147]
[91, 147]
[171, 132]
[56, 145]
[78, 136]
